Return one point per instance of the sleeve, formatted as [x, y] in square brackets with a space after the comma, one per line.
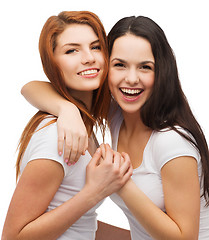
[169, 145]
[43, 145]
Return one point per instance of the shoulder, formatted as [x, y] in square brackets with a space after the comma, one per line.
[167, 137]
[45, 135]
[43, 144]
[46, 127]
[168, 144]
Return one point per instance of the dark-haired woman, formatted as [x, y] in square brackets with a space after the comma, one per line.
[151, 122]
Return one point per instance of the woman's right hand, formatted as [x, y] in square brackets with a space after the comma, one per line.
[107, 175]
[72, 134]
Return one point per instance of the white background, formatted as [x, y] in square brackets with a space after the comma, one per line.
[185, 23]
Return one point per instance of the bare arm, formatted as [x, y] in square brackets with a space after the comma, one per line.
[27, 217]
[71, 128]
[182, 202]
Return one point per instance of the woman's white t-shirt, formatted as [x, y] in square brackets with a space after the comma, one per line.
[162, 147]
[43, 145]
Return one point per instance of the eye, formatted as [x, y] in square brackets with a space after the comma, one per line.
[96, 47]
[70, 51]
[147, 67]
[119, 65]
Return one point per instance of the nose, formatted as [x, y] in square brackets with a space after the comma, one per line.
[132, 77]
[88, 57]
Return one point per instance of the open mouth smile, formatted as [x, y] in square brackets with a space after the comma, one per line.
[131, 94]
[89, 72]
[131, 91]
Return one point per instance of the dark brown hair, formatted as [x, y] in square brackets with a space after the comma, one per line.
[167, 107]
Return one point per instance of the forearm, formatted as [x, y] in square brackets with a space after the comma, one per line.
[54, 223]
[157, 223]
[44, 97]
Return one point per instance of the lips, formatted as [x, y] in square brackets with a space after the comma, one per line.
[89, 72]
[131, 92]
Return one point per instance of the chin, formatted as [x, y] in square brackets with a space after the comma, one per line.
[130, 110]
[93, 87]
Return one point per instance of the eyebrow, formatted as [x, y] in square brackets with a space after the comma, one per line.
[118, 59]
[78, 44]
[123, 61]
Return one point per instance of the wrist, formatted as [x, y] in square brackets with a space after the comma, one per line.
[67, 106]
[92, 195]
[127, 187]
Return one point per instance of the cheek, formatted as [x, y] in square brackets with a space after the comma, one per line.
[149, 81]
[64, 66]
[111, 80]
[101, 60]
[109, 83]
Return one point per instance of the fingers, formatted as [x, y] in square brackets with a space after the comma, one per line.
[85, 145]
[96, 158]
[73, 138]
[117, 160]
[126, 168]
[111, 156]
[108, 154]
[67, 148]
[103, 149]
[74, 150]
[75, 147]
[120, 164]
[61, 139]
[79, 147]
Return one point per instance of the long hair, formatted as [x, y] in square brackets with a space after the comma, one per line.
[53, 27]
[167, 106]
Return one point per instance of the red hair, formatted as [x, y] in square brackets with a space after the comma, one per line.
[53, 27]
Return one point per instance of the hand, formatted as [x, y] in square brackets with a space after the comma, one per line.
[108, 175]
[72, 135]
[103, 148]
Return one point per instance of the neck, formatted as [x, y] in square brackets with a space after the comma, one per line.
[133, 124]
[84, 97]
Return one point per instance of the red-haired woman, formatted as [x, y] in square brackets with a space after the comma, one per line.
[53, 200]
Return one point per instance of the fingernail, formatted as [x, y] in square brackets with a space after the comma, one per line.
[69, 164]
[66, 160]
[73, 163]
[60, 153]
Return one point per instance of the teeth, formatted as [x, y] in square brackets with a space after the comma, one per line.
[130, 91]
[88, 72]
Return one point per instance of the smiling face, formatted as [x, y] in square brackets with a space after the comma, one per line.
[132, 72]
[79, 56]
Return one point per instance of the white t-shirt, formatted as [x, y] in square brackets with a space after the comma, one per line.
[43, 145]
[158, 151]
